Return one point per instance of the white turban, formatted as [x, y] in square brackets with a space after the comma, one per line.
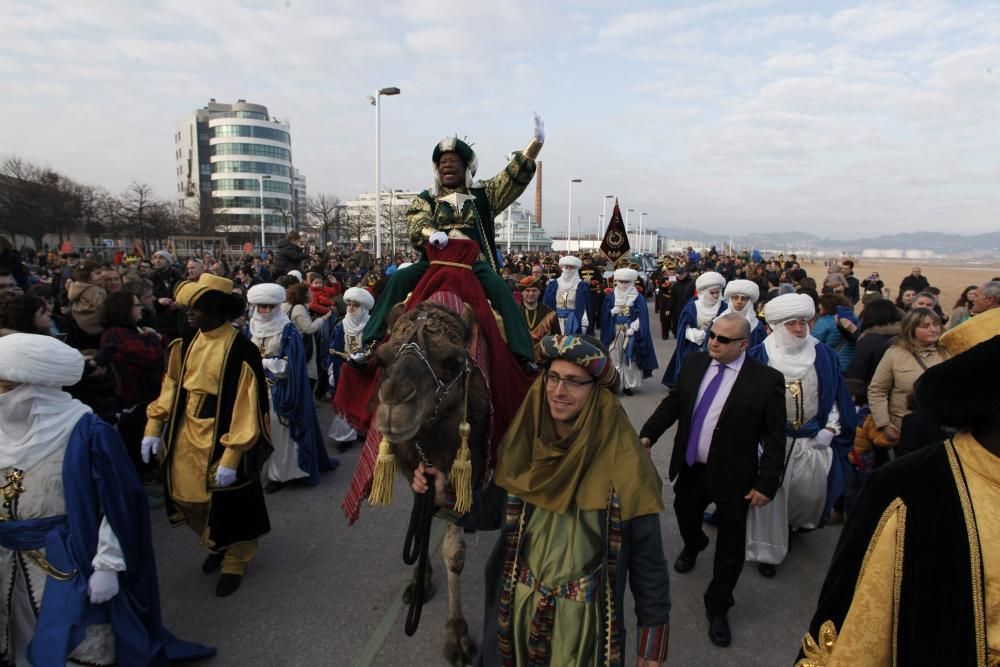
[40, 360]
[361, 296]
[570, 260]
[789, 307]
[745, 287]
[296, 273]
[626, 274]
[266, 294]
[708, 280]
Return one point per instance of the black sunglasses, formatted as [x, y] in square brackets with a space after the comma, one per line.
[725, 340]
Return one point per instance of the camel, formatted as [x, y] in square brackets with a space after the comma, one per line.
[422, 399]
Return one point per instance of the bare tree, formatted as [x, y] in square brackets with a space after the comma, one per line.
[324, 212]
[358, 223]
[35, 201]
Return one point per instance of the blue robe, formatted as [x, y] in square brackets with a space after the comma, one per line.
[832, 388]
[99, 481]
[638, 348]
[574, 317]
[292, 400]
[688, 318]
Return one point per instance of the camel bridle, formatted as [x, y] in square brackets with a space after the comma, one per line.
[416, 348]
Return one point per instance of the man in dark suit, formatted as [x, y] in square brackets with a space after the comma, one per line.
[726, 405]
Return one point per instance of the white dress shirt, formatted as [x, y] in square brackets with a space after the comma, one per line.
[715, 409]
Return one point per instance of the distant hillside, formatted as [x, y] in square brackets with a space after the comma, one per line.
[938, 242]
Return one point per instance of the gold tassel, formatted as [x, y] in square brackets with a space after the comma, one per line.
[385, 470]
[461, 472]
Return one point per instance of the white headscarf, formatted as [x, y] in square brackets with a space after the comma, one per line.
[628, 295]
[354, 323]
[706, 304]
[265, 325]
[37, 417]
[749, 289]
[791, 355]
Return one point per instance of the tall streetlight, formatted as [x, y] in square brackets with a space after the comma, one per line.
[641, 244]
[261, 179]
[628, 214]
[374, 99]
[569, 218]
[604, 210]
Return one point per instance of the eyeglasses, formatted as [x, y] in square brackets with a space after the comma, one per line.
[725, 340]
[553, 380]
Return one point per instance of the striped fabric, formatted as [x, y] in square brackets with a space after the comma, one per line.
[613, 649]
[583, 589]
[652, 642]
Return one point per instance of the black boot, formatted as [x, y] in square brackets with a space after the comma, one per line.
[228, 583]
[213, 561]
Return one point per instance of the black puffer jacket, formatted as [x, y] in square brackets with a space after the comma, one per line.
[287, 256]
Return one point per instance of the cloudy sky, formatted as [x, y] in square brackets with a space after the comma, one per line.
[835, 118]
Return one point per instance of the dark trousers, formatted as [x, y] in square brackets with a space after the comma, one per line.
[690, 500]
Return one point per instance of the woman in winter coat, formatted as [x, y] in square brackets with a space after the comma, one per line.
[296, 307]
[834, 309]
[879, 325]
[85, 298]
[890, 392]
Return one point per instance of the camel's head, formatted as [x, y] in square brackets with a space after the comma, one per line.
[424, 364]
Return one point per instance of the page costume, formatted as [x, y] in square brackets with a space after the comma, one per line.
[346, 341]
[299, 450]
[73, 506]
[820, 430]
[695, 319]
[569, 296]
[578, 517]
[625, 331]
[213, 411]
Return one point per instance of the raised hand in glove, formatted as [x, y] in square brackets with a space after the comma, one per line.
[150, 447]
[225, 476]
[539, 129]
[102, 586]
[439, 240]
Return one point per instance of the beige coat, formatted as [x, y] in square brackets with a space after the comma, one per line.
[890, 392]
[85, 303]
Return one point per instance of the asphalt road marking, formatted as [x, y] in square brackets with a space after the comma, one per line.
[377, 640]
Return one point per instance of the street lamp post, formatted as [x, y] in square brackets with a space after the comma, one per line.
[261, 179]
[642, 245]
[374, 99]
[628, 214]
[569, 215]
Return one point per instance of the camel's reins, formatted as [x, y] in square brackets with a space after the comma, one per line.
[415, 548]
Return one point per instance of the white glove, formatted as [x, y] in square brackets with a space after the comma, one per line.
[634, 327]
[822, 439]
[224, 476]
[696, 336]
[277, 366]
[150, 447]
[330, 377]
[616, 310]
[439, 240]
[103, 586]
[539, 129]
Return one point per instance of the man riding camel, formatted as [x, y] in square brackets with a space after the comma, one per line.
[457, 207]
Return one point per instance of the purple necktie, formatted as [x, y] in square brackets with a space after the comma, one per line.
[698, 418]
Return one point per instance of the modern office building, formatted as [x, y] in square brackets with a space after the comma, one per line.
[226, 155]
[525, 234]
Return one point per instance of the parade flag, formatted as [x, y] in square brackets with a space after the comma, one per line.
[615, 242]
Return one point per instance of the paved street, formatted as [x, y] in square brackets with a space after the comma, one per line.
[320, 593]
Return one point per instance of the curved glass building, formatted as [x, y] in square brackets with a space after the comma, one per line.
[225, 154]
